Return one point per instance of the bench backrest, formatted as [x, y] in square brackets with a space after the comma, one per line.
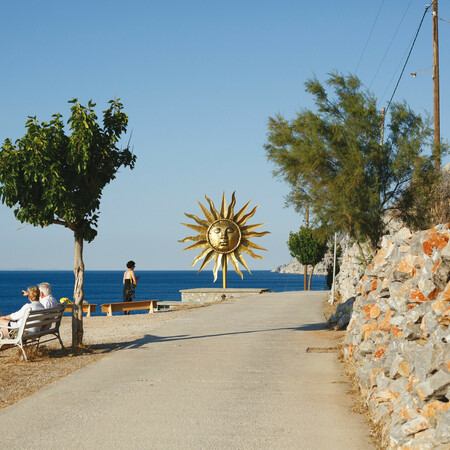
[42, 321]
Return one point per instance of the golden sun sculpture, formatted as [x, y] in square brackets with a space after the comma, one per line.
[224, 236]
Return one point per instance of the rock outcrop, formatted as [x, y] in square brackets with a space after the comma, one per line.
[398, 338]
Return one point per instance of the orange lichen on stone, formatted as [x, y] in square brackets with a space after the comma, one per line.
[403, 369]
[379, 353]
[397, 332]
[438, 305]
[435, 240]
[403, 414]
[374, 312]
[433, 294]
[406, 265]
[385, 324]
[367, 309]
[374, 284]
[411, 383]
[417, 296]
[446, 293]
[380, 256]
[431, 409]
[368, 328]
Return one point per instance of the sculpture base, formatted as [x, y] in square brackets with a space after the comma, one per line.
[201, 295]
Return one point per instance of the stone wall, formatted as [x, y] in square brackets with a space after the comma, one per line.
[398, 338]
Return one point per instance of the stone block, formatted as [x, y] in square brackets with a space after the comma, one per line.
[442, 435]
[434, 386]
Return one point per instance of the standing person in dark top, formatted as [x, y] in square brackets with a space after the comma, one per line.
[129, 283]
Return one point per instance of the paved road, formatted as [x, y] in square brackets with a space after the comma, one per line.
[235, 375]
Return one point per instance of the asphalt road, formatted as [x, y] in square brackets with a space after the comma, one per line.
[235, 375]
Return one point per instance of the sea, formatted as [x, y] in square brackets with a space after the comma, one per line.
[106, 286]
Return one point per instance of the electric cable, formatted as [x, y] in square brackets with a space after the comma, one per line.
[370, 35]
[407, 59]
[390, 44]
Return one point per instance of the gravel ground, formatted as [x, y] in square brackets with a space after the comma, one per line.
[102, 335]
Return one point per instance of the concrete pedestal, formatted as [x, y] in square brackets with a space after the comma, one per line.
[201, 295]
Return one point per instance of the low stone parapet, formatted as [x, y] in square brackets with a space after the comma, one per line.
[213, 294]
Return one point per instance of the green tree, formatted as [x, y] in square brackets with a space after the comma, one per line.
[335, 154]
[308, 248]
[49, 177]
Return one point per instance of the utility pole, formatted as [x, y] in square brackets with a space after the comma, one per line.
[382, 116]
[437, 122]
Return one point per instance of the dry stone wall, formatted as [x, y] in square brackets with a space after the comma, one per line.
[398, 338]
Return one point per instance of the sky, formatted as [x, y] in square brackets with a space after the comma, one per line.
[199, 81]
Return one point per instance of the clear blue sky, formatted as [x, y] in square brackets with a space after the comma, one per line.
[198, 80]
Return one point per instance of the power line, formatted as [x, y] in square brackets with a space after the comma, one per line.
[390, 44]
[370, 35]
[409, 54]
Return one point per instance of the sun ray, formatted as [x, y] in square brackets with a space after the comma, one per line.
[243, 221]
[208, 258]
[223, 207]
[199, 237]
[209, 217]
[250, 252]
[213, 209]
[201, 222]
[201, 255]
[217, 265]
[200, 244]
[251, 245]
[237, 218]
[235, 264]
[252, 227]
[230, 212]
[256, 234]
[197, 228]
[241, 259]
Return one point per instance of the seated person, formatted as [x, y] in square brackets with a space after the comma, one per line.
[15, 319]
[47, 299]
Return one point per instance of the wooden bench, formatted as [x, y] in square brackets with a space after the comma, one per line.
[88, 308]
[109, 308]
[47, 321]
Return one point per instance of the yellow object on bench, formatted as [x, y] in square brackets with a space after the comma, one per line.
[109, 308]
[88, 308]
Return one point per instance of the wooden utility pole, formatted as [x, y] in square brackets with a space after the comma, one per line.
[382, 116]
[437, 123]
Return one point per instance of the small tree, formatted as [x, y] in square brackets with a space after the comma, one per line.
[49, 177]
[307, 248]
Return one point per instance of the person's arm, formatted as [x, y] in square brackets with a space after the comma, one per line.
[133, 277]
[124, 276]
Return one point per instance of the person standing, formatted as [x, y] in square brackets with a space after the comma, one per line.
[129, 284]
[47, 299]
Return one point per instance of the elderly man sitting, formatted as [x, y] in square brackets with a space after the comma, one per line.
[47, 299]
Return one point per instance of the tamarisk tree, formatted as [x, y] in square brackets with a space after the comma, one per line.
[50, 177]
[335, 154]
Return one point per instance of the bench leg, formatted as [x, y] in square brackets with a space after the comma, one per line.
[110, 310]
[88, 312]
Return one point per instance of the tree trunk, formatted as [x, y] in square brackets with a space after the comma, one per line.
[78, 295]
[310, 277]
[305, 277]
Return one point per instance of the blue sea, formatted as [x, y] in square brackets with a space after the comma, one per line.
[106, 286]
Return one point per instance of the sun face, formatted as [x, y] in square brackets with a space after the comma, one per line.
[224, 236]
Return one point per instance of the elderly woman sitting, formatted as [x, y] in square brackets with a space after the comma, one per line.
[14, 319]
